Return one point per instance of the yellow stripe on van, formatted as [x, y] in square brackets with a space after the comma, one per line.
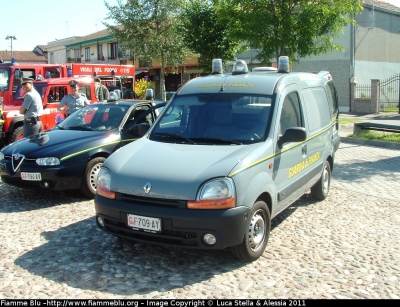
[277, 154]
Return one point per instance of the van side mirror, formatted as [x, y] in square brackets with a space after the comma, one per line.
[294, 134]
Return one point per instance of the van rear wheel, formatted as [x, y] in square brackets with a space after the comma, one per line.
[320, 190]
[256, 236]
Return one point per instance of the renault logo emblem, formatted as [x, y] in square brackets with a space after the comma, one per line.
[147, 188]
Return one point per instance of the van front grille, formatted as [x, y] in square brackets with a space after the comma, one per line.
[150, 201]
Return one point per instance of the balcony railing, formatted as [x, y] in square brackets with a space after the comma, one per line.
[94, 61]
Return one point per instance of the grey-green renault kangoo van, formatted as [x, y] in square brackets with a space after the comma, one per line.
[228, 153]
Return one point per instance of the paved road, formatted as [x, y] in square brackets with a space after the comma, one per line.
[344, 247]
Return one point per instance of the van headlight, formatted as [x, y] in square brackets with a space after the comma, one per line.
[215, 194]
[103, 185]
[48, 161]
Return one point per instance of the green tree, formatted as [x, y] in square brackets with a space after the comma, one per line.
[149, 30]
[207, 33]
[296, 28]
[141, 86]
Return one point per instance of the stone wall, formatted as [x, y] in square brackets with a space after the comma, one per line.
[365, 105]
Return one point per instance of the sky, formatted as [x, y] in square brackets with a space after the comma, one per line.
[43, 21]
[40, 22]
[394, 2]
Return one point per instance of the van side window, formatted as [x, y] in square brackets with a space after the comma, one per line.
[291, 113]
[317, 108]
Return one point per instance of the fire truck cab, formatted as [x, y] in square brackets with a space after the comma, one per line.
[12, 73]
[52, 89]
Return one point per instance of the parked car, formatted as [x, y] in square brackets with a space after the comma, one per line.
[229, 153]
[70, 155]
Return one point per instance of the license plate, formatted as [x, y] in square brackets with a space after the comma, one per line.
[149, 224]
[31, 176]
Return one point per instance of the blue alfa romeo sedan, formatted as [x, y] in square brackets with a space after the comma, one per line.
[69, 156]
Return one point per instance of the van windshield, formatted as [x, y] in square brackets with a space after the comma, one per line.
[226, 119]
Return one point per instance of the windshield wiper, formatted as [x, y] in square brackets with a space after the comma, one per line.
[175, 136]
[219, 140]
[80, 128]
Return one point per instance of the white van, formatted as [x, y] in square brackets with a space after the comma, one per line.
[228, 153]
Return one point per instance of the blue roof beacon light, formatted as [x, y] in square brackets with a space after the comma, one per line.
[283, 64]
[113, 96]
[149, 94]
[216, 66]
[240, 67]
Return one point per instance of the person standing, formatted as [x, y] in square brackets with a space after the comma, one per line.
[74, 101]
[31, 108]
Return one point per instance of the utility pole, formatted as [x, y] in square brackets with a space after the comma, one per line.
[11, 37]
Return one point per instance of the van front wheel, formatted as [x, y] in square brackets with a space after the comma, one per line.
[256, 236]
[320, 190]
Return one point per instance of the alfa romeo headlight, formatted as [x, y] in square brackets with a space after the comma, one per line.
[47, 161]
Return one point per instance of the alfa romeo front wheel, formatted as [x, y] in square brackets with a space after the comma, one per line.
[89, 180]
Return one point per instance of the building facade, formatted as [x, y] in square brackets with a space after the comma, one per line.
[102, 47]
[372, 50]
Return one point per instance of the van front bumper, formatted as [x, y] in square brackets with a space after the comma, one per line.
[181, 227]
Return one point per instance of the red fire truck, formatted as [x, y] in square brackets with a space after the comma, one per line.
[12, 73]
[51, 81]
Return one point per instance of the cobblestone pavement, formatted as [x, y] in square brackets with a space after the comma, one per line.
[344, 247]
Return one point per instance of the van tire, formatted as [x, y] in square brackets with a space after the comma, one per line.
[88, 185]
[17, 134]
[256, 235]
[320, 190]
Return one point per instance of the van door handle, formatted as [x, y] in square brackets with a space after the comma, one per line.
[304, 150]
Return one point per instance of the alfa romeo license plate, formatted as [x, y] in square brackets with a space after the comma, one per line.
[145, 223]
[31, 176]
